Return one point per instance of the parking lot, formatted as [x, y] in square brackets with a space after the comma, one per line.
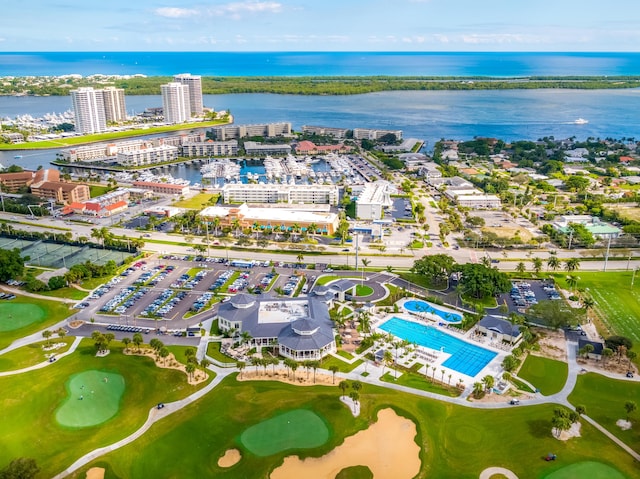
[525, 294]
[159, 292]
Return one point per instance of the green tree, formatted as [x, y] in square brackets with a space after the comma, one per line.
[46, 334]
[521, 268]
[343, 385]
[190, 368]
[137, 340]
[572, 264]
[537, 265]
[555, 314]
[436, 268]
[334, 369]
[488, 382]
[630, 407]
[572, 281]
[241, 365]
[163, 353]
[479, 282]
[126, 341]
[355, 397]
[553, 263]
[21, 468]
[478, 389]
[11, 264]
[509, 363]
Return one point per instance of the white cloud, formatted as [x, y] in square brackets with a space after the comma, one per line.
[175, 12]
[478, 38]
[235, 10]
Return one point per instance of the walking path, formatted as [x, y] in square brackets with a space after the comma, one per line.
[155, 415]
[21, 292]
[35, 337]
[46, 363]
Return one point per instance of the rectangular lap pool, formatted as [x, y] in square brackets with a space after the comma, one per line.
[466, 358]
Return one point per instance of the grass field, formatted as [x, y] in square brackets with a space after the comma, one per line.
[296, 429]
[70, 293]
[31, 354]
[323, 280]
[29, 401]
[510, 232]
[604, 399]
[590, 469]
[15, 315]
[617, 302]
[198, 201]
[93, 397]
[363, 290]
[548, 375]
[417, 381]
[628, 212]
[54, 311]
[455, 441]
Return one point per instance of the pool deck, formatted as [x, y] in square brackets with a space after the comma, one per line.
[435, 358]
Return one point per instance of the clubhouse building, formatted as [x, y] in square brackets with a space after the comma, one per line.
[301, 327]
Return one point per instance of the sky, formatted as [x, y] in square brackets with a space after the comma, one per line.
[320, 25]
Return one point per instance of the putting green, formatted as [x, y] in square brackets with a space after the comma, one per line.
[18, 315]
[590, 469]
[93, 398]
[296, 429]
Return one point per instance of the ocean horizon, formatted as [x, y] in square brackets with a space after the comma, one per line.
[296, 64]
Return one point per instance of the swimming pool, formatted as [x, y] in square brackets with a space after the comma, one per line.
[419, 306]
[466, 358]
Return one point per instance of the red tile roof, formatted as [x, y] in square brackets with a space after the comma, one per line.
[116, 205]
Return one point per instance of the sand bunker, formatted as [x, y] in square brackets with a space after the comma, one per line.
[387, 448]
[282, 376]
[170, 362]
[95, 473]
[231, 458]
[574, 431]
[623, 424]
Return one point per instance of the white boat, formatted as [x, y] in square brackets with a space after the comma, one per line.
[17, 157]
[581, 121]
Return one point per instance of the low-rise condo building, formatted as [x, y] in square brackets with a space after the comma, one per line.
[372, 200]
[280, 193]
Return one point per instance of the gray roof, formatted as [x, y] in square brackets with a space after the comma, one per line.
[500, 325]
[318, 340]
[304, 324]
[597, 347]
[316, 310]
[342, 285]
[243, 299]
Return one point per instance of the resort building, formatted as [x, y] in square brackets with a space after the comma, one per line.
[194, 82]
[162, 188]
[147, 153]
[88, 109]
[498, 329]
[12, 182]
[274, 218]
[373, 199]
[406, 145]
[175, 102]
[209, 148]
[115, 109]
[599, 229]
[325, 131]
[367, 134]
[235, 132]
[280, 193]
[301, 328]
[307, 147]
[253, 148]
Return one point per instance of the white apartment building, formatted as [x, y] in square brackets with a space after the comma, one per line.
[88, 108]
[474, 199]
[209, 148]
[147, 154]
[234, 132]
[175, 102]
[275, 193]
[194, 82]
[365, 133]
[372, 200]
[115, 109]
[253, 148]
[325, 131]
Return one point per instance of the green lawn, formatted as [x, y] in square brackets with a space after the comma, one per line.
[31, 354]
[54, 311]
[29, 402]
[198, 201]
[604, 399]
[548, 375]
[322, 280]
[343, 366]
[363, 290]
[69, 293]
[616, 300]
[418, 381]
[99, 190]
[213, 350]
[455, 441]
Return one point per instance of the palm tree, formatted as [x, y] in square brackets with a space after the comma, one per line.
[478, 389]
[426, 370]
[387, 359]
[315, 365]
[235, 225]
[344, 385]
[354, 397]
[313, 228]
[572, 281]
[46, 334]
[300, 257]
[572, 264]
[442, 379]
[520, 267]
[190, 368]
[553, 262]
[255, 361]
[334, 369]
[295, 228]
[137, 340]
[606, 354]
[630, 406]
[126, 342]
[587, 303]
[294, 365]
[163, 353]
[449, 380]
[537, 265]
[241, 365]
[365, 263]
[488, 382]
[433, 370]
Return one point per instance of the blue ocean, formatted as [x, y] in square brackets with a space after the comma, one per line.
[495, 64]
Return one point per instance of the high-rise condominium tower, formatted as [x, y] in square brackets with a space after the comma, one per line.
[114, 106]
[175, 102]
[88, 107]
[195, 91]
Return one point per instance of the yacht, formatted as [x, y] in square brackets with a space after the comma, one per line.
[581, 121]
